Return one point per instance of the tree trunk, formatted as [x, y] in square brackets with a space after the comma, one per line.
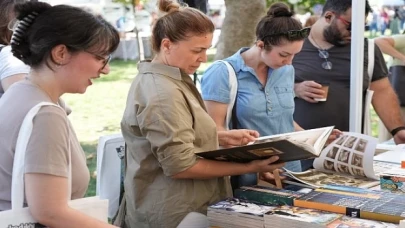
[239, 27]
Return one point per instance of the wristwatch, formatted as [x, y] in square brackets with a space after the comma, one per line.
[395, 130]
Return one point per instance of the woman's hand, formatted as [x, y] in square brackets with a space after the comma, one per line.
[237, 137]
[269, 176]
[332, 137]
[263, 166]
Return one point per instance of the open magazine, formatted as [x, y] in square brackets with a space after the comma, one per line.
[347, 161]
[288, 147]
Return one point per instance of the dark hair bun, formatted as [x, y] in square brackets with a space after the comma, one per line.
[26, 13]
[23, 10]
[279, 10]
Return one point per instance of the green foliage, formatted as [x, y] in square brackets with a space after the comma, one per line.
[303, 5]
[125, 2]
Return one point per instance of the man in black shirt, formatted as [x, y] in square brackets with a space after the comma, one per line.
[325, 58]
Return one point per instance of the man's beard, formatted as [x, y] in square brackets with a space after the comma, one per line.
[332, 35]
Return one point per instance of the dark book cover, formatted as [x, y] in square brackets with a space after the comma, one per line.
[284, 149]
[267, 196]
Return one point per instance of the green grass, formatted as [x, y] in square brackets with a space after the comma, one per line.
[98, 112]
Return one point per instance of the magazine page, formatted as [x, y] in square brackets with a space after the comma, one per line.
[241, 206]
[307, 139]
[351, 154]
[316, 179]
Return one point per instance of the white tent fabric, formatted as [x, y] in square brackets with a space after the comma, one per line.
[357, 58]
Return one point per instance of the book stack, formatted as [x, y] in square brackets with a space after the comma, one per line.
[236, 213]
[355, 202]
[267, 196]
[298, 217]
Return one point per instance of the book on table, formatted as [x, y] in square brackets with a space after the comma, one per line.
[293, 146]
[347, 161]
[356, 202]
[237, 213]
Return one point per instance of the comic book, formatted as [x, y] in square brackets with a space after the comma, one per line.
[347, 161]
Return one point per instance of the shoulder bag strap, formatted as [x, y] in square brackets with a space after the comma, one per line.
[233, 89]
[370, 67]
[17, 185]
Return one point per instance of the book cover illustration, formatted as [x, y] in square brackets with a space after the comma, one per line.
[302, 214]
[241, 206]
[350, 222]
[266, 195]
[288, 147]
[346, 161]
[316, 179]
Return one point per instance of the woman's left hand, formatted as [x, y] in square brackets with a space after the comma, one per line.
[269, 177]
[332, 137]
[238, 137]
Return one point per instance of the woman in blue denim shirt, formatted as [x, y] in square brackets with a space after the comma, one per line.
[265, 95]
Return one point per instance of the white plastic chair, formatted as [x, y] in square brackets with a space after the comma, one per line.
[194, 220]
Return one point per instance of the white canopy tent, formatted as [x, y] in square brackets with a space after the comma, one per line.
[356, 66]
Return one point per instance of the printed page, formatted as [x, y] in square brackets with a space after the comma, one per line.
[351, 154]
[301, 138]
[314, 178]
[381, 167]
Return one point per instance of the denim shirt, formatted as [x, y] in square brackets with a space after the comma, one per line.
[269, 109]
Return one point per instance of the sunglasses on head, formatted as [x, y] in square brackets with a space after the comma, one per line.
[293, 34]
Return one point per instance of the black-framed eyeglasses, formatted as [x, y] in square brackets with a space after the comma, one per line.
[327, 65]
[293, 34]
[105, 60]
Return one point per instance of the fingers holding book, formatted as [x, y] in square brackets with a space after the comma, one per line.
[237, 137]
[266, 165]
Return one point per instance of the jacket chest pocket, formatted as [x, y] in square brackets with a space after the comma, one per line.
[285, 96]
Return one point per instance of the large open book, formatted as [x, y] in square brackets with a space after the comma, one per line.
[288, 147]
[347, 161]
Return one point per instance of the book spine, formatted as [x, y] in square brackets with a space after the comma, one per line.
[351, 212]
[380, 217]
[320, 206]
[264, 198]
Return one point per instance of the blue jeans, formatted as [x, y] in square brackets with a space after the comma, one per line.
[248, 179]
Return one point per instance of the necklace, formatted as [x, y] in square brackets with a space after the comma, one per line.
[317, 45]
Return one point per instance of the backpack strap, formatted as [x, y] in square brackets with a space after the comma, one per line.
[233, 89]
[370, 67]
[1, 47]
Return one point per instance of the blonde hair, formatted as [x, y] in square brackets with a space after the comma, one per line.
[178, 22]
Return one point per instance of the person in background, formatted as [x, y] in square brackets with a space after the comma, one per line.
[265, 92]
[395, 23]
[66, 49]
[11, 68]
[395, 47]
[165, 124]
[384, 20]
[311, 20]
[325, 57]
